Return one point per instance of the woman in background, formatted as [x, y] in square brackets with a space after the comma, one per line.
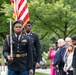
[51, 54]
[68, 60]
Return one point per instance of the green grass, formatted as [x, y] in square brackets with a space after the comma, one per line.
[41, 73]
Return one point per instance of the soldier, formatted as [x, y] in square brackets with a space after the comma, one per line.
[35, 44]
[22, 52]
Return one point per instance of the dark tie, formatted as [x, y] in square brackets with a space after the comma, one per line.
[17, 37]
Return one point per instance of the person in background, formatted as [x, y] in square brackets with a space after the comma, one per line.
[22, 56]
[51, 55]
[62, 49]
[35, 45]
[24, 30]
[68, 41]
[68, 60]
[74, 55]
[55, 61]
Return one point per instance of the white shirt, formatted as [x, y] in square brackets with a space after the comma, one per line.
[18, 37]
[68, 63]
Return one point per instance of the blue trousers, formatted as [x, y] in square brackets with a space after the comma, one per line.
[57, 73]
[18, 72]
[62, 72]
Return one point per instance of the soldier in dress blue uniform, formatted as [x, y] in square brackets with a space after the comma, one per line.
[35, 44]
[22, 58]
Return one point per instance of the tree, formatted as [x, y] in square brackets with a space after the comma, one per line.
[5, 14]
[55, 18]
[51, 18]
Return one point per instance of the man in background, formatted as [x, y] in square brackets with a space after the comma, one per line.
[35, 44]
[61, 52]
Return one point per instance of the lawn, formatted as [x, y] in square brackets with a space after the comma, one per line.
[40, 73]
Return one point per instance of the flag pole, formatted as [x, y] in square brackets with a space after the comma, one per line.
[11, 51]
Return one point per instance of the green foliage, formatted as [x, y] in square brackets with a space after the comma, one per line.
[0, 55]
[5, 14]
[47, 42]
[51, 18]
[56, 17]
[7, 10]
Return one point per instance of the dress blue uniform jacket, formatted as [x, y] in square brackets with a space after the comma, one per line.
[35, 46]
[19, 47]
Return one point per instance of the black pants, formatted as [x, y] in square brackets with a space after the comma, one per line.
[69, 73]
[62, 72]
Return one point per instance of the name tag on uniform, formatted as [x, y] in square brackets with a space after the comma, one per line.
[24, 40]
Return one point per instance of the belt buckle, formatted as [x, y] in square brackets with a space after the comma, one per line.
[18, 55]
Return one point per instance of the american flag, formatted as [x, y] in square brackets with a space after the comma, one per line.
[20, 10]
